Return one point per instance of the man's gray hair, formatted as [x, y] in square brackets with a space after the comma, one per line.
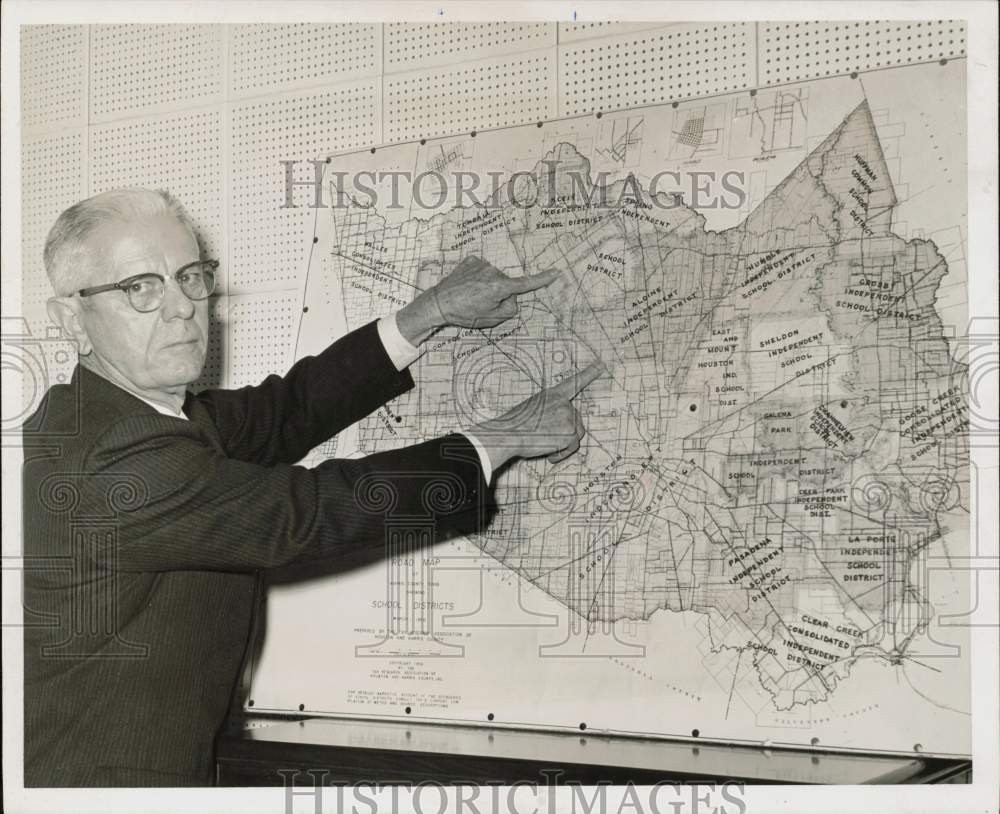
[68, 260]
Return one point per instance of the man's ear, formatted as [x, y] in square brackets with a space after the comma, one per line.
[66, 312]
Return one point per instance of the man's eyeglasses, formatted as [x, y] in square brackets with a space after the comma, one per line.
[145, 291]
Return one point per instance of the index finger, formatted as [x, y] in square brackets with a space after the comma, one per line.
[531, 282]
[572, 385]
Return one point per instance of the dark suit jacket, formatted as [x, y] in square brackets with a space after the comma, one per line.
[144, 534]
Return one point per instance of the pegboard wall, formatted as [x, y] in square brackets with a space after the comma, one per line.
[137, 69]
[210, 112]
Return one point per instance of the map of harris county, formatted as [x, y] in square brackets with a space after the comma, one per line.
[782, 431]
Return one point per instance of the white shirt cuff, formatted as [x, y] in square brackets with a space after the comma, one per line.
[401, 352]
[484, 457]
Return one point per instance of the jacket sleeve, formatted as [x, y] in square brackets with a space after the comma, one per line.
[281, 419]
[179, 503]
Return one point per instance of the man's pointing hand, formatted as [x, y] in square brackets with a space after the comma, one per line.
[531, 282]
[544, 424]
[475, 295]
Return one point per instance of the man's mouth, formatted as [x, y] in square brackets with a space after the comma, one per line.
[181, 342]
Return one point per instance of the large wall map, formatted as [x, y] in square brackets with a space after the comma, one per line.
[745, 545]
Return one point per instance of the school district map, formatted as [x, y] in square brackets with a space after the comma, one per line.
[781, 437]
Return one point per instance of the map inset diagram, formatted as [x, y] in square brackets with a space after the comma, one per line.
[699, 132]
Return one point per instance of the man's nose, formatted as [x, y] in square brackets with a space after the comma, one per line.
[175, 302]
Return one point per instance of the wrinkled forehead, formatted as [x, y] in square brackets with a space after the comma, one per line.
[157, 243]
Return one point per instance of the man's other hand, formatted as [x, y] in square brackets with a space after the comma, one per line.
[547, 423]
[475, 295]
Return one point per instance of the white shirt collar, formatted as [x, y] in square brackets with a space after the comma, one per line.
[160, 408]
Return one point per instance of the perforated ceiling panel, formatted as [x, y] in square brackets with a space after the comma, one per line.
[261, 335]
[153, 68]
[488, 93]
[53, 76]
[53, 173]
[790, 52]
[574, 32]
[269, 58]
[53, 177]
[181, 153]
[414, 45]
[213, 374]
[655, 66]
[268, 246]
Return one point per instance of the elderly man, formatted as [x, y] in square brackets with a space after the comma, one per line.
[154, 509]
